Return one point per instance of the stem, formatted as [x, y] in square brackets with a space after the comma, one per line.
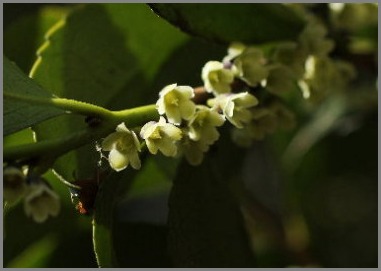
[70, 105]
[133, 117]
[57, 147]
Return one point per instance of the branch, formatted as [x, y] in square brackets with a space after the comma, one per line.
[57, 147]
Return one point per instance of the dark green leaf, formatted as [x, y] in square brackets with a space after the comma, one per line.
[206, 228]
[28, 29]
[19, 109]
[106, 55]
[247, 23]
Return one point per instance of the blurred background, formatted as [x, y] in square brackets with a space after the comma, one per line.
[310, 199]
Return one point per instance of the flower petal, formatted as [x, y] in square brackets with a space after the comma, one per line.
[172, 131]
[118, 161]
[109, 142]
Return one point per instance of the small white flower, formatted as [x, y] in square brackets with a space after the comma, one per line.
[250, 66]
[234, 50]
[41, 201]
[203, 125]
[175, 101]
[123, 146]
[216, 78]
[193, 150]
[313, 40]
[14, 184]
[161, 136]
[235, 107]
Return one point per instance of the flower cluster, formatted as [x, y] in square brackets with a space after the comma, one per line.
[40, 201]
[190, 129]
[183, 128]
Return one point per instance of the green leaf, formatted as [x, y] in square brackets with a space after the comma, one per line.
[149, 181]
[107, 55]
[104, 54]
[139, 230]
[206, 228]
[35, 255]
[225, 23]
[19, 92]
[25, 33]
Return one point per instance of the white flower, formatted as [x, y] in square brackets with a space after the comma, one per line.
[123, 146]
[203, 125]
[313, 40]
[40, 202]
[234, 50]
[200, 134]
[175, 102]
[250, 66]
[235, 107]
[281, 79]
[193, 150]
[216, 78]
[14, 184]
[161, 136]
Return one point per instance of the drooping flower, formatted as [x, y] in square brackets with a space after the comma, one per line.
[161, 136]
[123, 146]
[234, 50]
[217, 78]
[202, 127]
[193, 150]
[263, 122]
[41, 201]
[250, 66]
[281, 79]
[14, 184]
[313, 40]
[235, 107]
[175, 101]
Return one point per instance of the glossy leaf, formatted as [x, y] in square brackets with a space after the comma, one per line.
[206, 228]
[19, 92]
[100, 55]
[30, 29]
[225, 23]
[107, 55]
